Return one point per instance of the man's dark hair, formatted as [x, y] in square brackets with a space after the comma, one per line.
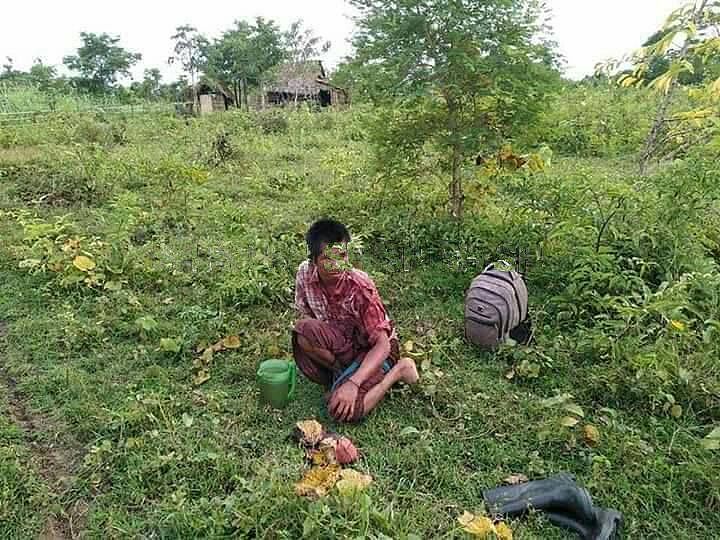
[325, 231]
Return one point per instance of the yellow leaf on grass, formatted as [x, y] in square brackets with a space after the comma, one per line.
[318, 481]
[476, 525]
[408, 346]
[231, 342]
[591, 434]
[201, 377]
[81, 262]
[352, 481]
[207, 356]
[678, 325]
[503, 531]
[676, 411]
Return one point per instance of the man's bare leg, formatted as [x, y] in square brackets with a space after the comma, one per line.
[404, 371]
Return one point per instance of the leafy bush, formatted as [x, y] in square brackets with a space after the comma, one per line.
[272, 122]
[593, 121]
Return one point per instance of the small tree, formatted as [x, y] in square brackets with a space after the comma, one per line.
[688, 45]
[243, 56]
[461, 73]
[189, 51]
[100, 61]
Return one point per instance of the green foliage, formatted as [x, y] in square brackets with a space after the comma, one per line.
[593, 121]
[272, 122]
[109, 296]
[242, 56]
[100, 61]
[466, 73]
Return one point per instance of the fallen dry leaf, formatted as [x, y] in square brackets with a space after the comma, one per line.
[352, 481]
[591, 434]
[309, 432]
[201, 377]
[324, 454]
[476, 525]
[503, 531]
[318, 481]
[515, 479]
[231, 342]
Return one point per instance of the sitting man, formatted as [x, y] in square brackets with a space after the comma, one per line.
[345, 339]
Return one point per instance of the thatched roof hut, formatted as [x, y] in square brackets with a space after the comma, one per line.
[302, 82]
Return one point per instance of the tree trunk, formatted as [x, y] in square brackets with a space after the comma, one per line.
[651, 140]
[456, 191]
[193, 92]
[245, 96]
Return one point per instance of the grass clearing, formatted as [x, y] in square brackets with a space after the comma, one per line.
[195, 259]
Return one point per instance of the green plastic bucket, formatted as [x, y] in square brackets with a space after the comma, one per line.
[276, 381]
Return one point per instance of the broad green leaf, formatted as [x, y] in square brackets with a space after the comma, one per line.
[170, 345]
[569, 421]
[575, 409]
[556, 400]
[187, 420]
[81, 262]
[147, 323]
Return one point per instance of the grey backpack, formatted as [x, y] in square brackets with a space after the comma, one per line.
[495, 304]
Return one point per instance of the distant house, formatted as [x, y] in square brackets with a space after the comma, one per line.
[212, 97]
[304, 82]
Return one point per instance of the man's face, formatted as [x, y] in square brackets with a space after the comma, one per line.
[333, 259]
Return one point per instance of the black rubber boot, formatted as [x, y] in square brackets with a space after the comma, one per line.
[558, 494]
[570, 523]
[608, 524]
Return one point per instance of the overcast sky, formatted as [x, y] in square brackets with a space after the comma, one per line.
[587, 31]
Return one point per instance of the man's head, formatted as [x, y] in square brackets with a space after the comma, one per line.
[327, 242]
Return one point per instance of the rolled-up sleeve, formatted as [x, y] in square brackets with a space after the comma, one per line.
[301, 304]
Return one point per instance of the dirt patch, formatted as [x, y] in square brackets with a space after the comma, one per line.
[54, 455]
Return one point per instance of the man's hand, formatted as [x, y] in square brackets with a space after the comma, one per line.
[342, 401]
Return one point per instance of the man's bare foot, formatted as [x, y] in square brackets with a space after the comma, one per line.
[409, 371]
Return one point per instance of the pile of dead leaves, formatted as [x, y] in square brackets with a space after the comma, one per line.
[483, 527]
[326, 453]
[203, 362]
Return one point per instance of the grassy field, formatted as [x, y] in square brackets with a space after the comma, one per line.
[196, 229]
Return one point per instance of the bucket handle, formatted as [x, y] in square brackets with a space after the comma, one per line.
[293, 379]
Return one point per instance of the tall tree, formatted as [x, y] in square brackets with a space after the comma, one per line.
[189, 51]
[101, 61]
[243, 56]
[459, 73]
[689, 42]
[301, 46]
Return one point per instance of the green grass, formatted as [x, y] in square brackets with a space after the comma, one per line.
[210, 260]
